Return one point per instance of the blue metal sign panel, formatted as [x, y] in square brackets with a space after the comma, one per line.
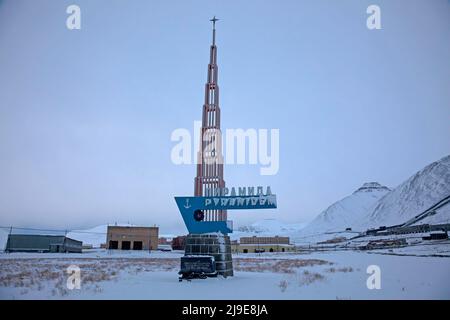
[191, 209]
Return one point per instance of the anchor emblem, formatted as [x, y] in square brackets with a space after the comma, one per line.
[187, 205]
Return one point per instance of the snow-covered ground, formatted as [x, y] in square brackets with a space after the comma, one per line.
[144, 275]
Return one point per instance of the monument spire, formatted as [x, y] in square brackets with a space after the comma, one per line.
[209, 157]
[214, 20]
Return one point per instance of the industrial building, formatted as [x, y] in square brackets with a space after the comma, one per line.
[42, 243]
[262, 244]
[165, 241]
[132, 238]
[179, 243]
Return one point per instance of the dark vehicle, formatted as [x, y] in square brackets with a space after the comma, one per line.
[197, 267]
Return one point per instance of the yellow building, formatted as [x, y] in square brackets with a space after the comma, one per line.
[264, 240]
[262, 244]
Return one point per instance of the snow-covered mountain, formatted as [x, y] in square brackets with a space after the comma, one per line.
[374, 205]
[347, 211]
[418, 193]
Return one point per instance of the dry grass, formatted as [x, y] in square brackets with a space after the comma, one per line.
[308, 277]
[344, 269]
[39, 273]
[283, 285]
[275, 265]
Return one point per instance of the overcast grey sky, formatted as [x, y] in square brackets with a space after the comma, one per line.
[86, 115]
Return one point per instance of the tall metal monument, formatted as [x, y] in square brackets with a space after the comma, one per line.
[209, 157]
[205, 214]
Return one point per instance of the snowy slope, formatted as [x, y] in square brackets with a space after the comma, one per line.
[3, 239]
[442, 216]
[267, 227]
[94, 236]
[346, 212]
[270, 226]
[418, 193]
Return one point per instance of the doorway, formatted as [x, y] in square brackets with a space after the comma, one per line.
[126, 245]
[113, 244]
[137, 245]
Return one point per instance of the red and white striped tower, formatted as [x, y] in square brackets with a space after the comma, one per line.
[209, 157]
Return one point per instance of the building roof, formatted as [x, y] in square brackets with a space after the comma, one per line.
[132, 227]
[42, 236]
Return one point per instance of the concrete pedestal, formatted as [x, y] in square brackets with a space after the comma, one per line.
[217, 245]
